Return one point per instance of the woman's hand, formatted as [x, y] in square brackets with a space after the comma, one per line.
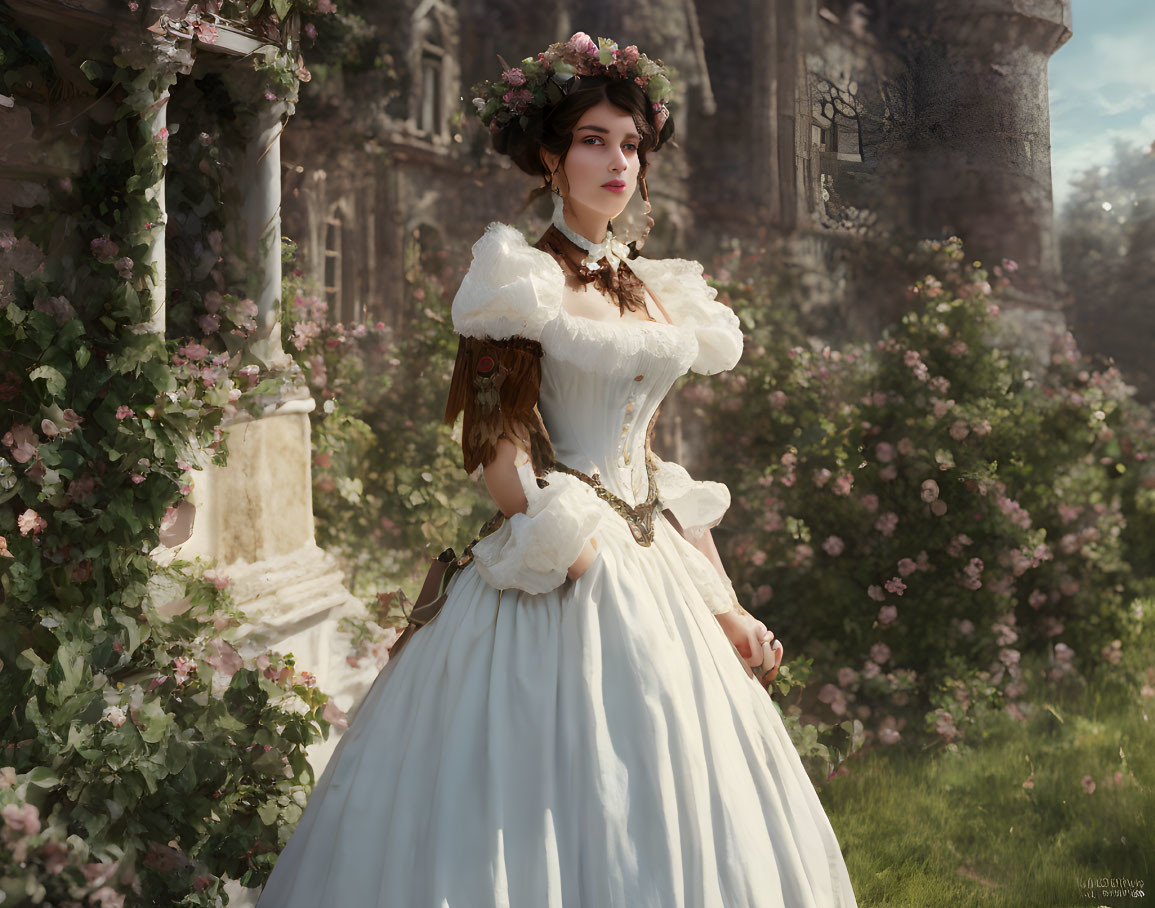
[588, 553]
[754, 642]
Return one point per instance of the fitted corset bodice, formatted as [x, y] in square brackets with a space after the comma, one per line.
[598, 408]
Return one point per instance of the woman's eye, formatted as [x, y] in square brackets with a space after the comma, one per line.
[588, 139]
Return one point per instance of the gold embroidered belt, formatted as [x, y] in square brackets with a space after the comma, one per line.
[639, 517]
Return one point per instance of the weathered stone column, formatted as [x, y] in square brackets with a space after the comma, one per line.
[262, 216]
[157, 122]
[254, 516]
[984, 170]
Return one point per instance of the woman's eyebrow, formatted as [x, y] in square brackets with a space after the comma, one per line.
[629, 135]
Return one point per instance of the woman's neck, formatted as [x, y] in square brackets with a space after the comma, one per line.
[589, 225]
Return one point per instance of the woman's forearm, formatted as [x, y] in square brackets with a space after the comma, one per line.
[703, 541]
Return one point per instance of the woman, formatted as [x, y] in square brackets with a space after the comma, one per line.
[573, 729]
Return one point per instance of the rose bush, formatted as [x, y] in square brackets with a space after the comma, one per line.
[142, 758]
[916, 513]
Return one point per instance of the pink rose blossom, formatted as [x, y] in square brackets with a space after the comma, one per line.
[880, 653]
[833, 546]
[216, 579]
[1088, 784]
[31, 522]
[941, 407]
[929, 490]
[959, 430]
[955, 547]
[123, 412]
[104, 248]
[843, 483]
[870, 502]
[884, 451]
[514, 77]
[22, 819]
[887, 523]
[895, 585]
[582, 43]
[906, 567]
[114, 715]
[23, 442]
[972, 574]
[887, 615]
[874, 591]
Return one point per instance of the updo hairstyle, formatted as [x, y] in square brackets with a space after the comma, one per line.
[551, 128]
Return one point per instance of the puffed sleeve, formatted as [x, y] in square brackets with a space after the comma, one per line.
[532, 551]
[697, 506]
[510, 292]
[511, 288]
[680, 286]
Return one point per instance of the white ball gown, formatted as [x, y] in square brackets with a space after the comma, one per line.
[550, 743]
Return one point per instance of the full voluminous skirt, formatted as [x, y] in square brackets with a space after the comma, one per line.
[597, 746]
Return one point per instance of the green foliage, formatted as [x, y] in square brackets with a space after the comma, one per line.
[143, 759]
[917, 513]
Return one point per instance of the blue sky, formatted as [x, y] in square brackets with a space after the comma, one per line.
[1102, 86]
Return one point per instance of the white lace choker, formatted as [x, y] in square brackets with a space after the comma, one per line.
[608, 249]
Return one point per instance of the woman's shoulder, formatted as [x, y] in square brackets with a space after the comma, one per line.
[511, 288]
[682, 287]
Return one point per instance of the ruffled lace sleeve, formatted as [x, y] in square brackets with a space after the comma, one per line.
[533, 550]
[510, 290]
[697, 504]
[692, 302]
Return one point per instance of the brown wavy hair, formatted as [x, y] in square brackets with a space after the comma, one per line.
[551, 128]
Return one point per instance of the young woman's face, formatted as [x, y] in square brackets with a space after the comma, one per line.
[600, 173]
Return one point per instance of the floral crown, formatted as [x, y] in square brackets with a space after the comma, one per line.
[534, 84]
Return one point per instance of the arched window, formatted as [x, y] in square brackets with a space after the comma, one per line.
[434, 75]
[432, 116]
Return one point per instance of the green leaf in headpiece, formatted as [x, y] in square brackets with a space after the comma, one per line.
[658, 87]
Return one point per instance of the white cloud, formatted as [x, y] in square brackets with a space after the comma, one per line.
[1070, 159]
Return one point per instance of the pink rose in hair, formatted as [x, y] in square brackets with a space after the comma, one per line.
[581, 43]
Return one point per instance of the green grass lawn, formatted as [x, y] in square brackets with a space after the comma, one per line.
[960, 829]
